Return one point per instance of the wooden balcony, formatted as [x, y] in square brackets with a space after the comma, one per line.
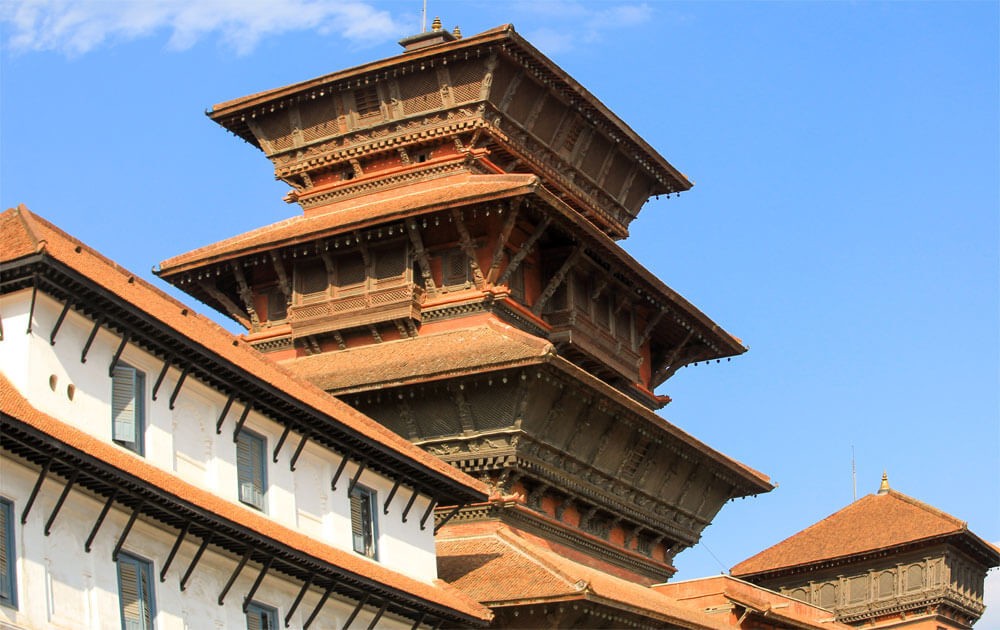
[581, 335]
[373, 306]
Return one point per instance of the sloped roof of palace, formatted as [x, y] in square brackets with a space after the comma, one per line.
[423, 198]
[507, 568]
[872, 523]
[446, 355]
[23, 233]
[15, 406]
[232, 114]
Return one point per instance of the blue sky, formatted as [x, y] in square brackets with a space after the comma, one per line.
[844, 221]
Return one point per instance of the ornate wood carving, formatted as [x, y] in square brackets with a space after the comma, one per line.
[536, 109]
[375, 334]
[246, 295]
[363, 248]
[409, 419]
[508, 226]
[465, 415]
[470, 250]
[421, 255]
[627, 186]
[601, 284]
[234, 311]
[557, 280]
[508, 94]
[603, 441]
[525, 250]
[339, 339]
[671, 366]
[688, 483]
[555, 411]
[484, 89]
[650, 327]
[283, 283]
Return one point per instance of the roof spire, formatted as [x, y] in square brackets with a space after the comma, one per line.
[883, 487]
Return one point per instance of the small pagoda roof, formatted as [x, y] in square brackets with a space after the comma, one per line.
[234, 114]
[28, 242]
[874, 523]
[505, 567]
[444, 355]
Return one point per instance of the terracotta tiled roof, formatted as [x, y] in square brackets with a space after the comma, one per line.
[23, 233]
[873, 522]
[505, 568]
[13, 404]
[427, 357]
[358, 212]
[717, 591]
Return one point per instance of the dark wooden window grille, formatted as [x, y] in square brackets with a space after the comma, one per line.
[366, 101]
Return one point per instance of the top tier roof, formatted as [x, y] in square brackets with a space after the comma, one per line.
[494, 87]
[873, 523]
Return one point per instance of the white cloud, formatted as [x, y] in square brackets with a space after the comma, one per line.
[74, 27]
[582, 23]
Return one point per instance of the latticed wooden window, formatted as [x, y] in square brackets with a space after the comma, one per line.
[135, 593]
[366, 101]
[363, 526]
[250, 469]
[455, 268]
[390, 263]
[8, 575]
[350, 270]
[311, 278]
[261, 617]
[127, 408]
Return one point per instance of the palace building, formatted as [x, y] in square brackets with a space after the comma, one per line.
[442, 412]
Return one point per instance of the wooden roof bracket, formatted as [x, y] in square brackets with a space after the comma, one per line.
[173, 550]
[90, 339]
[650, 326]
[421, 255]
[194, 560]
[235, 574]
[34, 490]
[59, 322]
[163, 372]
[419, 620]
[177, 387]
[225, 411]
[378, 615]
[357, 475]
[409, 504]
[281, 442]
[234, 311]
[283, 284]
[241, 421]
[427, 513]
[100, 519]
[34, 296]
[447, 517]
[256, 583]
[508, 226]
[470, 250]
[246, 295]
[128, 528]
[357, 609]
[557, 280]
[118, 354]
[61, 500]
[392, 493]
[339, 472]
[298, 598]
[298, 451]
[526, 249]
[319, 606]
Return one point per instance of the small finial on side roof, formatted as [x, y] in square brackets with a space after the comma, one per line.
[883, 487]
[436, 24]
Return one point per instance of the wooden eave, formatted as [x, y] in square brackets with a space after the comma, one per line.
[233, 114]
[42, 272]
[108, 481]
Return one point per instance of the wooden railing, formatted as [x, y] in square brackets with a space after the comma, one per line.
[360, 309]
[575, 328]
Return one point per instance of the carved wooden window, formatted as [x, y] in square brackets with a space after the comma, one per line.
[311, 281]
[799, 594]
[886, 585]
[350, 272]
[516, 284]
[455, 268]
[914, 577]
[858, 591]
[389, 264]
[277, 305]
[366, 101]
[828, 595]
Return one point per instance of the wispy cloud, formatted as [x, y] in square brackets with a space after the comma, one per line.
[75, 27]
[580, 23]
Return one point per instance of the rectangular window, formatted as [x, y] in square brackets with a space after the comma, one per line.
[260, 617]
[250, 468]
[8, 561]
[135, 592]
[363, 525]
[128, 387]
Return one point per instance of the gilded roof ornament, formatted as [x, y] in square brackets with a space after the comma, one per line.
[436, 24]
[883, 487]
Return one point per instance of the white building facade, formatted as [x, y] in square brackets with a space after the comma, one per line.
[157, 473]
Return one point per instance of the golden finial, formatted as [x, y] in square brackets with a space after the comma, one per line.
[436, 24]
[884, 486]
[457, 32]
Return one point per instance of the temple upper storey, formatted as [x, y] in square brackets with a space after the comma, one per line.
[486, 104]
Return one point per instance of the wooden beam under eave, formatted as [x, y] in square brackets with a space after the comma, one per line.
[467, 246]
[526, 248]
[508, 227]
[557, 280]
[421, 255]
[246, 295]
[231, 309]
[283, 283]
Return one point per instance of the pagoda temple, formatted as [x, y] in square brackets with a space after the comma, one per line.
[455, 274]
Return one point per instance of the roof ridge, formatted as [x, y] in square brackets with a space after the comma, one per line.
[20, 212]
[519, 543]
[927, 507]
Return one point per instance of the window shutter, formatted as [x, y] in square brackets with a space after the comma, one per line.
[123, 404]
[250, 469]
[128, 587]
[5, 543]
[254, 619]
[357, 523]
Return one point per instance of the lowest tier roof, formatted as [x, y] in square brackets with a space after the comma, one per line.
[872, 523]
[23, 234]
